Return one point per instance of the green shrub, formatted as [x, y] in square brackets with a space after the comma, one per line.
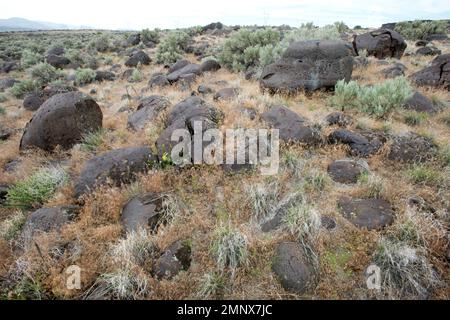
[100, 43]
[378, 100]
[421, 174]
[75, 56]
[23, 87]
[172, 47]
[256, 49]
[3, 98]
[243, 50]
[150, 35]
[414, 118]
[310, 32]
[37, 188]
[84, 76]
[415, 30]
[30, 58]
[136, 76]
[341, 26]
[2, 111]
[45, 73]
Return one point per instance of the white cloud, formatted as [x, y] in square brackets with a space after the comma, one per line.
[138, 14]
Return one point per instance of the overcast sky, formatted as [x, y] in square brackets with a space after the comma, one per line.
[138, 14]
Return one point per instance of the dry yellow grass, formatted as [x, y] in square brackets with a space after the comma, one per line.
[212, 196]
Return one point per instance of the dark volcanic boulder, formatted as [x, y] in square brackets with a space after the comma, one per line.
[62, 120]
[148, 109]
[371, 214]
[176, 258]
[381, 43]
[139, 57]
[49, 219]
[134, 39]
[292, 267]
[183, 116]
[118, 166]
[292, 127]
[57, 61]
[420, 103]
[436, 37]
[32, 101]
[188, 69]
[396, 70]
[428, 51]
[213, 26]
[178, 65]
[412, 148]
[226, 94]
[7, 83]
[158, 80]
[346, 171]
[104, 76]
[436, 75]
[8, 66]
[309, 65]
[362, 144]
[142, 212]
[210, 65]
[3, 192]
[338, 118]
[57, 51]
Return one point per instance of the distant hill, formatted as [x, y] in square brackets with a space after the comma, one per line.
[20, 24]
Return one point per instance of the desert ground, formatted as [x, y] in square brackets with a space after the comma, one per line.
[363, 179]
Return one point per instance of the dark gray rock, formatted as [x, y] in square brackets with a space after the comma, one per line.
[142, 212]
[139, 57]
[9, 66]
[346, 171]
[3, 192]
[338, 118]
[292, 267]
[176, 258]
[158, 80]
[292, 127]
[32, 101]
[62, 120]
[226, 94]
[328, 222]
[370, 214]
[148, 109]
[104, 76]
[428, 51]
[412, 148]
[178, 65]
[118, 166]
[182, 116]
[436, 37]
[436, 75]
[188, 69]
[362, 144]
[203, 89]
[49, 219]
[210, 65]
[134, 39]
[57, 61]
[309, 65]
[381, 43]
[396, 70]
[420, 103]
[57, 51]
[7, 83]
